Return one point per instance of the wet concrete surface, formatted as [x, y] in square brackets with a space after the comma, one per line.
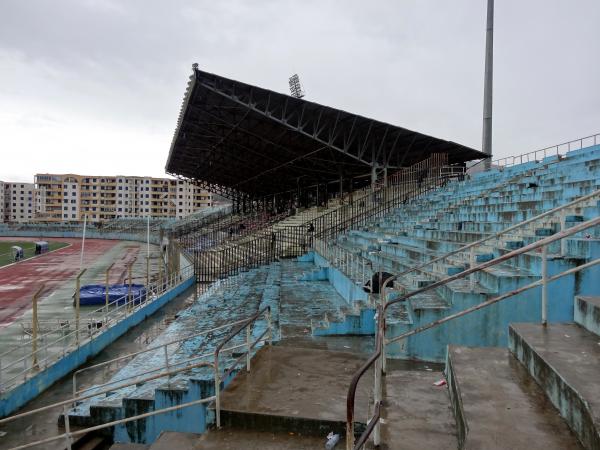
[362, 345]
[503, 406]
[416, 412]
[43, 425]
[225, 439]
[573, 352]
[299, 383]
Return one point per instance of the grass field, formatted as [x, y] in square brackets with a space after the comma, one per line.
[6, 256]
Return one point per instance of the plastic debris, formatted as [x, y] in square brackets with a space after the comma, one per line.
[567, 336]
[332, 440]
[441, 382]
[3, 433]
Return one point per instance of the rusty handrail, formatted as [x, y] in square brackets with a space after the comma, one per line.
[351, 397]
[362, 440]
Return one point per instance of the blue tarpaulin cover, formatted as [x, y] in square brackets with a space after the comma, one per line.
[95, 294]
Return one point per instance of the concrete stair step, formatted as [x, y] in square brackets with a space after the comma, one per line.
[587, 313]
[564, 359]
[228, 438]
[497, 405]
[299, 390]
[123, 446]
[417, 414]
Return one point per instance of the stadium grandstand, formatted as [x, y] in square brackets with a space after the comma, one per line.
[362, 289]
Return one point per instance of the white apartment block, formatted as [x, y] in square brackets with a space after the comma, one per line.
[17, 201]
[2, 219]
[70, 197]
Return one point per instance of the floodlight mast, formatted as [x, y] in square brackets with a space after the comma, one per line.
[487, 88]
[295, 86]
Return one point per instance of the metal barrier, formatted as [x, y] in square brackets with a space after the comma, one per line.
[272, 243]
[538, 155]
[378, 357]
[96, 323]
[249, 345]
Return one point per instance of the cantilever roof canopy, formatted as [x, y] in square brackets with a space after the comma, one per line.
[234, 138]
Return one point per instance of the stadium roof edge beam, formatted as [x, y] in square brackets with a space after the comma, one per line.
[234, 138]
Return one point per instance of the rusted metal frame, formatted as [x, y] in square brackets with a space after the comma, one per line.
[364, 145]
[491, 301]
[299, 126]
[362, 440]
[299, 130]
[393, 148]
[220, 159]
[316, 126]
[381, 144]
[246, 133]
[347, 140]
[205, 151]
[280, 166]
[284, 110]
[351, 396]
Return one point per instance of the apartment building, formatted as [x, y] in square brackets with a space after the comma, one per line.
[70, 197]
[17, 201]
[2, 219]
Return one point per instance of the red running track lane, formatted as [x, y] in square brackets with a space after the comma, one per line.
[18, 282]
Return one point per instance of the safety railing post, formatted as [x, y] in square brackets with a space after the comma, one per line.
[67, 428]
[377, 399]
[563, 226]
[129, 305]
[166, 354]
[77, 305]
[471, 265]
[350, 436]
[544, 284]
[248, 346]
[34, 329]
[107, 299]
[217, 393]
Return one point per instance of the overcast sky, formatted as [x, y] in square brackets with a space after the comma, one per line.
[95, 86]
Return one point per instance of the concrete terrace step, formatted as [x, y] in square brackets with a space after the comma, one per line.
[497, 405]
[298, 390]
[565, 361]
[237, 439]
[417, 414]
[587, 313]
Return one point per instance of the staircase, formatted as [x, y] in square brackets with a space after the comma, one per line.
[540, 393]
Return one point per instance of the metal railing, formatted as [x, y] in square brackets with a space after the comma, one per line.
[167, 362]
[379, 359]
[249, 344]
[47, 348]
[538, 155]
[273, 242]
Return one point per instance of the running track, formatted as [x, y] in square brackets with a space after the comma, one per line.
[18, 282]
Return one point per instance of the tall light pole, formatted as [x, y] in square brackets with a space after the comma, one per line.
[487, 88]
